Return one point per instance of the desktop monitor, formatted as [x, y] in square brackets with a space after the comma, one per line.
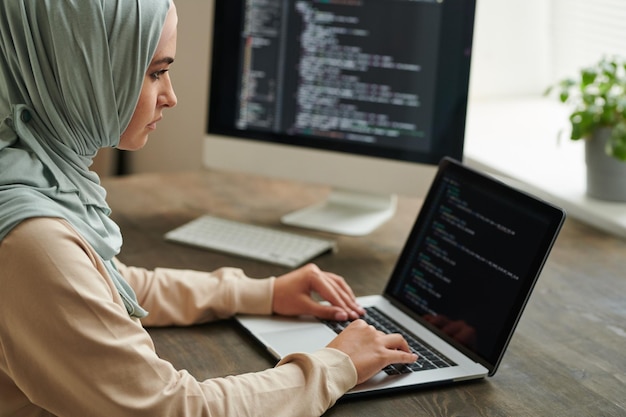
[363, 95]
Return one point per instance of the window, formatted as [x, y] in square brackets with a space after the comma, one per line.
[522, 46]
[584, 31]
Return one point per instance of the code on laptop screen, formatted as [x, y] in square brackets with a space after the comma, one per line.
[473, 258]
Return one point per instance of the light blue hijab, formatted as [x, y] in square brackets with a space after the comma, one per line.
[70, 76]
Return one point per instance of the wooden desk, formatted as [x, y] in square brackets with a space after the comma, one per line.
[567, 358]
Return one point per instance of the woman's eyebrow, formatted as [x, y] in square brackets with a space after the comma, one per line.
[164, 60]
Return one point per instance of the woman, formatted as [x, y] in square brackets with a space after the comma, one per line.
[76, 76]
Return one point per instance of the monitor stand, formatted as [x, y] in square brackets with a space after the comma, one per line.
[345, 212]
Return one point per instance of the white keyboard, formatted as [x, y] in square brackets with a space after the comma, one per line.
[255, 242]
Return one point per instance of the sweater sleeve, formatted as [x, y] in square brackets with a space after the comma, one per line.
[182, 297]
[68, 346]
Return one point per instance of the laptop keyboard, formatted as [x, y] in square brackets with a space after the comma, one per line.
[428, 357]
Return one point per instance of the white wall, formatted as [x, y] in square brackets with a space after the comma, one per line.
[511, 48]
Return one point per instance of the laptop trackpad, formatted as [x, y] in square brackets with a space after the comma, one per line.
[307, 339]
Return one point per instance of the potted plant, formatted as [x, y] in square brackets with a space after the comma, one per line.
[598, 100]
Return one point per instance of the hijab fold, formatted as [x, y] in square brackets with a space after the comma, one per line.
[71, 73]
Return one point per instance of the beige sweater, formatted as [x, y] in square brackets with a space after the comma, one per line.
[69, 348]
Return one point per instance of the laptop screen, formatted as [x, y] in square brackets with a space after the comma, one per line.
[472, 259]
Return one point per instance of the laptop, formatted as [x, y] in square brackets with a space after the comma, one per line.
[459, 286]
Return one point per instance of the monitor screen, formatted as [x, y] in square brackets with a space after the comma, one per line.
[381, 79]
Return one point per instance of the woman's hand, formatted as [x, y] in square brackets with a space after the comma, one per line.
[292, 295]
[371, 350]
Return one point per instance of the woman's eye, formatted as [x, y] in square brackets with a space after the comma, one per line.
[157, 75]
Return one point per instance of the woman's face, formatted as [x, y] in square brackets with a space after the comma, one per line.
[157, 93]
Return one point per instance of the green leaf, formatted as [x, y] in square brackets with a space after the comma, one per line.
[588, 76]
